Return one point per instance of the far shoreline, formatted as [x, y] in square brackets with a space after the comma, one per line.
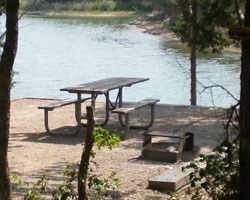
[83, 14]
[141, 20]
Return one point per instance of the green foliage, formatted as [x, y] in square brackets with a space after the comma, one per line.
[99, 5]
[173, 196]
[78, 6]
[27, 4]
[103, 184]
[33, 194]
[37, 189]
[220, 176]
[2, 5]
[15, 180]
[66, 188]
[134, 5]
[104, 5]
[103, 138]
[43, 183]
[197, 194]
[213, 19]
[168, 7]
[12, 77]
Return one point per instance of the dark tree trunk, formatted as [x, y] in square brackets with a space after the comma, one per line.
[193, 53]
[245, 113]
[84, 164]
[6, 65]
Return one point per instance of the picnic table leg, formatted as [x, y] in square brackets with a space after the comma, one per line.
[120, 105]
[78, 109]
[152, 118]
[106, 110]
[93, 105]
[93, 98]
[46, 122]
[126, 127]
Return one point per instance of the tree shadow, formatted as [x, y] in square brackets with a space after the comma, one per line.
[44, 137]
[56, 178]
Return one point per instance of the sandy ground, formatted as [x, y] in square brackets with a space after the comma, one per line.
[32, 151]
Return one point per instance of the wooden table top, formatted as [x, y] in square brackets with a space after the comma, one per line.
[104, 85]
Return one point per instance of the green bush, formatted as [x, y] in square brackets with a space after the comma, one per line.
[135, 5]
[78, 6]
[50, 6]
[220, 176]
[99, 5]
[59, 7]
[25, 4]
[38, 6]
[218, 173]
[104, 5]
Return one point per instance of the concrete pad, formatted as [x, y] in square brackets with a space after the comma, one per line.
[170, 181]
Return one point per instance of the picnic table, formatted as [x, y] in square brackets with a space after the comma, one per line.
[104, 87]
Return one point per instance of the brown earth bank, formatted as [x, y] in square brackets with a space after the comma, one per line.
[33, 151]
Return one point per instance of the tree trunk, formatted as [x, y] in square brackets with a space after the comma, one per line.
[193, 53]
[245, 113]
[6, 65]
[84, 164]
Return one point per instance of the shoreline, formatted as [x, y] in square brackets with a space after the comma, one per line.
[142, 20]
[126, 102]
[97, 14]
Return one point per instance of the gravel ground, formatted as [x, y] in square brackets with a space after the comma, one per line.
[32, 151]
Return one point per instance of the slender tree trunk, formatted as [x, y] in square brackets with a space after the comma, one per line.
[193, 53]
[245, 113]
[6, 65]
[84, 164]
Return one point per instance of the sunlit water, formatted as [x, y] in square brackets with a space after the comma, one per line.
[55, 52]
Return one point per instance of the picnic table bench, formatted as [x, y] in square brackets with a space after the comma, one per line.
[126, 111]
[58, 104]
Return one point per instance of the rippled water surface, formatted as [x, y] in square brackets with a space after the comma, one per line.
[57, 52]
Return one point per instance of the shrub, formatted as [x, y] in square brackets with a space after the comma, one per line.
[220, 176]
[78, 6]
[135, 5]
[104, 5]
[99, 5]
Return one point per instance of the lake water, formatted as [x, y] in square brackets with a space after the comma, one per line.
[57, 52]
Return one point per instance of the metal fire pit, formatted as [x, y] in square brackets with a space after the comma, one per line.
[162, 151]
